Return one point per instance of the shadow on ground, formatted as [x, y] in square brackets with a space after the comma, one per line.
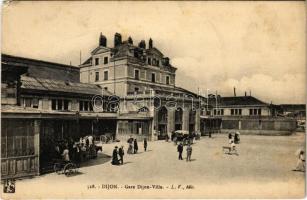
[101, 159]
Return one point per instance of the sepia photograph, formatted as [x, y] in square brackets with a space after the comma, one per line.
[153, 99]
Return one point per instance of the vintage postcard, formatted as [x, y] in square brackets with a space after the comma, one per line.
[158, 99]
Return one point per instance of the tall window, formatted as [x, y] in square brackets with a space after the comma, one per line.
[53, 104]
[105, 60]
[85, 106]
[96, 61]
[167, 80]
[60, 104]
[105, 75]
[255, 111]
[30, 102]
[137, 74]
[27, 102]
[235, 111]
[66, 104]
[153, 77]
[96, 76]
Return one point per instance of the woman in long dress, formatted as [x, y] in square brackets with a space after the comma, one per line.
[115, 160]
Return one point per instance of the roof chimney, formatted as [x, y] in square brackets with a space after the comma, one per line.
[245, 93]
[142, 44]
[130, 41]
[117, 39]
[150, 43]
[250, 93]
[166, 61]
[234, 92]
[102, 40]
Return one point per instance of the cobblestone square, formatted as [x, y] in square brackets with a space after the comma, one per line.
[263, 168]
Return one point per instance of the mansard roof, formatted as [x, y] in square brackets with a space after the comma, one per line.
[154, 51]
[100, 49]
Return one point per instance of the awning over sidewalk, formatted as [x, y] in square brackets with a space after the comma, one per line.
[11, 111]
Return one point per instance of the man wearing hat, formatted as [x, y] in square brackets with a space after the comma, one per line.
[121, 154]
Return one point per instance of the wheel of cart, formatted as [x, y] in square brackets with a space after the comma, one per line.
[67, 168]
[70, 168]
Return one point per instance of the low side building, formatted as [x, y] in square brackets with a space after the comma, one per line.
[38, 112]
[249, 115]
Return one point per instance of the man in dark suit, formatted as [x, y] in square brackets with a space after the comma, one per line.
[121, 154]
[135, 146]
[180, 150]
[145, 144]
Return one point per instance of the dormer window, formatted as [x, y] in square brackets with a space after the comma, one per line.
[136, 55]
[105, 60]
[96, 61]
[155, 62]
[167, 80]
[149, 61]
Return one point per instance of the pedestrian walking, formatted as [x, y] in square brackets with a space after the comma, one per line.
[135, 146]
[129, 151]
[300, 165]
[130, 147]
[115, 157]
[145, 144]
[189, 152]
[121, 154]
[229, 136]
[180, 150]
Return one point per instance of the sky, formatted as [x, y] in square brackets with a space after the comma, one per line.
[257, 47]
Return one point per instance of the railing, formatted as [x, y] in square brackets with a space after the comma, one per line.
[19, 166]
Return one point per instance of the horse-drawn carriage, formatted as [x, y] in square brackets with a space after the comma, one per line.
[183, 136]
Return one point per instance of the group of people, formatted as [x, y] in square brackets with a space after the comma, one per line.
[69, 150]
[118, 154]
[188, 149]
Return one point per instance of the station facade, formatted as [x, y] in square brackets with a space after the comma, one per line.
[143, 78]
